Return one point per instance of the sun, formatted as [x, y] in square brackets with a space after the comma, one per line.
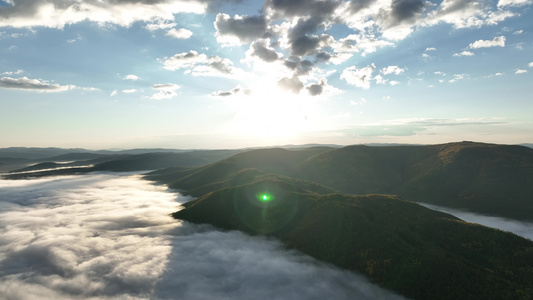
[272, 115]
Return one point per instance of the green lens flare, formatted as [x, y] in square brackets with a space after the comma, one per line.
[265, 197]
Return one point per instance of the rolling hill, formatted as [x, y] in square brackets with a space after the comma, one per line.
[398, 244]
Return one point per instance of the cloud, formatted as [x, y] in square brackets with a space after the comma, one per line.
[129, 91]
[261, 49]
[503, 3]
[523, 229]
[411, 127]
[322, 88]
[239, 29]
[293, 84]
[17, 72]
[361, 101]
[131, 77]
[58, 13]
[498, 41]
[401, 12]
[464, 53]
[365, 43]
[530, 64]
[236, 91]
[394, 82]
[111, 237]
[430, 49]
[160, 24]
[180, 33]
[35, 85]
[165, 91]
[113, 93]
[292, 8]
[380, 80]
[358, 77]
[392, 70]
[457, 77]
[520, 71]
[199, 64]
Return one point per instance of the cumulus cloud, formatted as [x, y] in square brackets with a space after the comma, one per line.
[293, 8]
[322, 88]
[503, 3]
[165, 91]
[520, 71]
[261, 48]
[498, 41]
[392, 70]
[236, 91]
[530, 64]
[180, 33]
[293, 84]
[17, 72]
[160, 24]
[35, 85]
[364, 43]
[463, 53]
[110, 237]
[358, 77]
[239, 29]
[58, 13]
[131, 77]
[199, 64]
[457, 77]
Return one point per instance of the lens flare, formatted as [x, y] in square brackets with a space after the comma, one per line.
[265, 197]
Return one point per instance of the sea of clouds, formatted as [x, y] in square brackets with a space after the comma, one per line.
[109, 236]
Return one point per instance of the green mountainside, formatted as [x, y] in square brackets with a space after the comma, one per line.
[398, 244]
[484, 178]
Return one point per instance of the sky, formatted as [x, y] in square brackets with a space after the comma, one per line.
[192, 74]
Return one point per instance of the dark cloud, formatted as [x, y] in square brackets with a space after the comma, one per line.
[303, 40]
[315, 89]
[300, 67]
[110, 237]
[244, 28]
[291, 8]
[323, 56]
[261, 49]
[406, 10]
[356, 5]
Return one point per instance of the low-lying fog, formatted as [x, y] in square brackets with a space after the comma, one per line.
[523, 229]
[105, 236]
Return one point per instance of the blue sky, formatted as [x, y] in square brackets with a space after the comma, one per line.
[229, 74]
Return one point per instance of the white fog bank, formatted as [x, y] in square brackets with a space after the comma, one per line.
[104, 236]
[523, 229]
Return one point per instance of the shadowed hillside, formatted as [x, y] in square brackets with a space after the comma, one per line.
[400, 245]
[485, 178]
